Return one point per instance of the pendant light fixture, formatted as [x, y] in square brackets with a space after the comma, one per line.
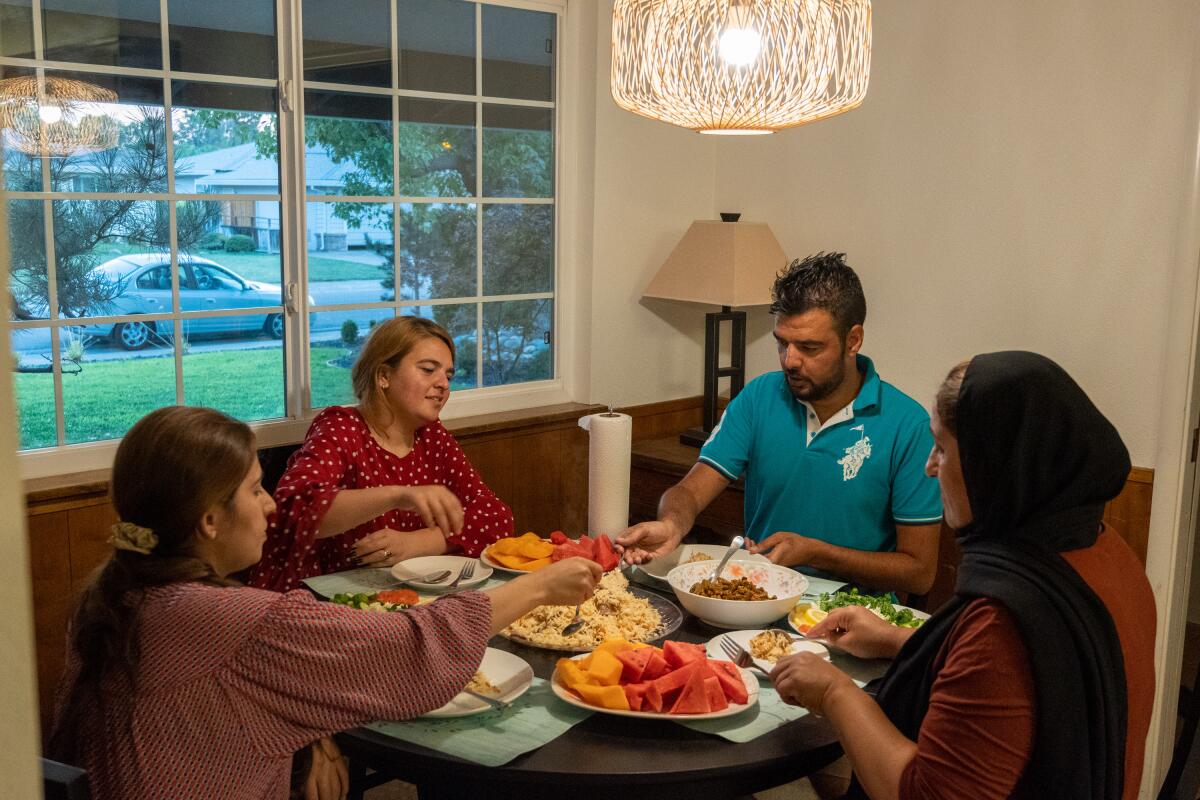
[53, 119]
[740, 66]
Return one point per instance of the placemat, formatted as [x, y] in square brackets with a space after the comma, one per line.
[494, 737]
[368, 580]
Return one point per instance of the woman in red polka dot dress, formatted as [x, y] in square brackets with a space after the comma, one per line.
[383, 482]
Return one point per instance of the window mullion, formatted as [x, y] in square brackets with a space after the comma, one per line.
[297, 377]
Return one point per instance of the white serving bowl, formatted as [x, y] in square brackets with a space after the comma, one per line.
[783, 582]
[658, 568]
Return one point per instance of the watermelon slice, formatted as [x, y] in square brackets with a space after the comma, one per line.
[715, 694]
[680, 654]
[731, 680]
[634, 662]
[656, 667]
[693, 698]
[635, 694]
[670, 684]
[606, 555]
[558, 537]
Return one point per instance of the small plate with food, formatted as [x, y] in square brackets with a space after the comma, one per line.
[388, 600]
[501, 675]
[808, 613]
[411, 569]
[518, 554]
[765, 647]
[677, 681]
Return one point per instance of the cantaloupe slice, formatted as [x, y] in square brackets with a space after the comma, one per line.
[605, 668]
[604, 696]
[511, 561]
[535, 549]
[533, 566]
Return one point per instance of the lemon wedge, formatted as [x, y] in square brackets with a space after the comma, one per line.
[805, 615]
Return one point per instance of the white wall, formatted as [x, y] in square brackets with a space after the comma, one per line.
[1013, 180]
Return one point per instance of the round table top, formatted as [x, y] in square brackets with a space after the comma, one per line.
[611, 756]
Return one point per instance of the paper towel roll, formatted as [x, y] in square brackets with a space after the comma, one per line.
[610, 439]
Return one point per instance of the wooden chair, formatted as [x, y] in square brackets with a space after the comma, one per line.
[64, 782]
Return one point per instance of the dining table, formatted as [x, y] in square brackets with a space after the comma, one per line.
[607, 756]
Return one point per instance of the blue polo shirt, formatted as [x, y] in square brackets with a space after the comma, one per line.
[848, 482]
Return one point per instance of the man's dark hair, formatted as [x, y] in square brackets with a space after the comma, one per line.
[823, 281]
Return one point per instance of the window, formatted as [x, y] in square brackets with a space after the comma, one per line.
[156, 255]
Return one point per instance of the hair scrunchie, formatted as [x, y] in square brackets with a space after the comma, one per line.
[135, 538]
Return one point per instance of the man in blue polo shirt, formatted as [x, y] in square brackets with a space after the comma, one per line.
[834, 457]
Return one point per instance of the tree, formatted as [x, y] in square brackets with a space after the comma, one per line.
[136, 166]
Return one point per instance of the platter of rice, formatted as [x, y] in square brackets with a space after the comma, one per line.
[616, 611]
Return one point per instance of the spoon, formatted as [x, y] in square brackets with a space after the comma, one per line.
[734, 546]
[574, 624]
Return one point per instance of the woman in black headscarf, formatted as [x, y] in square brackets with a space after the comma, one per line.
[1036, 679]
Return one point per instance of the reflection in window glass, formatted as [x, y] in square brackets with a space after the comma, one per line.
[459, 322]
[348, 143]
[100, 246]
[226, 139]
[349, 252]
[516, 341]
[346, 41]
[16, 28]
[436, 41]
[437, 148]
[437, 253]
[223, 37]
[22, 167]
[518, 248]
[239, 376]
[121, 33]
[242, 236]
[518, 53]
[518, 151]
[109, 390]
[33, 384]
[27, 260]
[335, 338]
[133, 130]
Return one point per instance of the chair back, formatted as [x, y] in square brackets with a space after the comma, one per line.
[64, 782]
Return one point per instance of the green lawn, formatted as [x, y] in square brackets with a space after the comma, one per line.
[107, 397]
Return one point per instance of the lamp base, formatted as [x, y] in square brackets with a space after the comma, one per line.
[694, 437]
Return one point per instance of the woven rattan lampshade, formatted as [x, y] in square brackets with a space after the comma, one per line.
[740, 66]
[52, 120]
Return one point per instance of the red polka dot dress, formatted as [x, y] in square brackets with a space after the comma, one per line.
[338, 453]
[232, 681]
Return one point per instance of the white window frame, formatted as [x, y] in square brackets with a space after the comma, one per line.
[568, 382]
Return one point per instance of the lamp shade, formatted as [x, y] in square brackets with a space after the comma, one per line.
[722, 264]
[740, 66]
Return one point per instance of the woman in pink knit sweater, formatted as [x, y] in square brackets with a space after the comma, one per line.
[181, 683]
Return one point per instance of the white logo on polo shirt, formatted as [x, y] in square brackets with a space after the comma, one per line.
[856, 454]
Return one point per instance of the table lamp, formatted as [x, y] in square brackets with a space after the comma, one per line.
[727, 264]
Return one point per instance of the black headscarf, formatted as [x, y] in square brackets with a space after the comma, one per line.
[1039, 461]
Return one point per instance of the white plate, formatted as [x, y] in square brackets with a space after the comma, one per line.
[508, 673]
[761, 666]
[483, 557]
[659, 567]
[420, 567]
[734, 708]
[916, 613]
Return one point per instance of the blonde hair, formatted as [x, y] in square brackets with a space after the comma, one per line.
[386, 346]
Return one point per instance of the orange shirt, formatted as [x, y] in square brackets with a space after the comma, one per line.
[977, 735]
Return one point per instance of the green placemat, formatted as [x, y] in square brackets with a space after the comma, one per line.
[493, 737]
[369, 580]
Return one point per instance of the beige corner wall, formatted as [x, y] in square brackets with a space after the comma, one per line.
[1013, 180]
[20, 735]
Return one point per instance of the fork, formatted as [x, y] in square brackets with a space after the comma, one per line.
[736, 653]
[467, 571]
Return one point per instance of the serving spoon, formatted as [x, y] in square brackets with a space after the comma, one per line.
[734, 546]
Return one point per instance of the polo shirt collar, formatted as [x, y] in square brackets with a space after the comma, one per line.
[872, 387]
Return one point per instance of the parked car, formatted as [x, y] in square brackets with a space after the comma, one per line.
[143, 286]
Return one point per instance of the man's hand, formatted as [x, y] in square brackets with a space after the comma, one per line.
[647, 541]
[786, 549]
[861, 633]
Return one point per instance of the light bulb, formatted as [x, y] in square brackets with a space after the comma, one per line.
[740, 46]
[50, 113]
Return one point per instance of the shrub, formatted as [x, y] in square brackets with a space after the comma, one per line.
[239, 244]
[213, 240]
[350, 333]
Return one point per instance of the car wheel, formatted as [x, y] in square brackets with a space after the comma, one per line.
[133, 335]
[273, 327]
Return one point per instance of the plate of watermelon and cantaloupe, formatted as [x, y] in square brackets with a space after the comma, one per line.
[529, 552]
[640, 680]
